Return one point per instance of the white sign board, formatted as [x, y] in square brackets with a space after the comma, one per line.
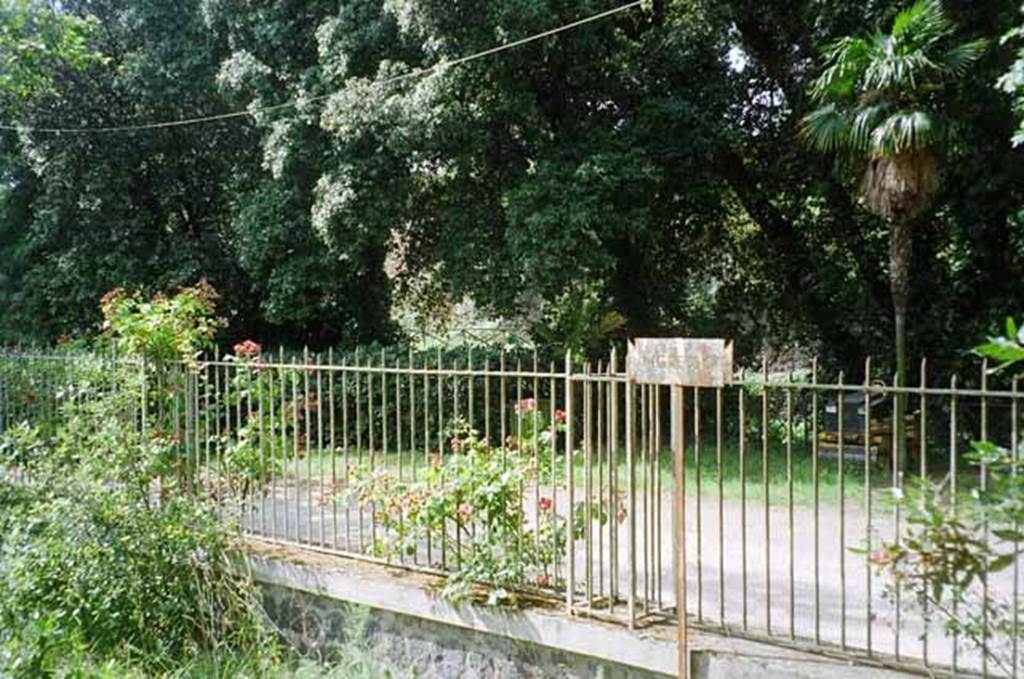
[681, 362]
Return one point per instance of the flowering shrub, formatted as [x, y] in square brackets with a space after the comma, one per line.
[471, 504]
[540, 436]
[162, 328]
[96, 561]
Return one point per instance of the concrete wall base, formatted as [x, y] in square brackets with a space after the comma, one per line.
[328, 605]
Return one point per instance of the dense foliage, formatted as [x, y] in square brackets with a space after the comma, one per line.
[648, 163]
[104, 556]
[112, 564]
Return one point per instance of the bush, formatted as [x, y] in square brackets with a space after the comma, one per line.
[99, 559]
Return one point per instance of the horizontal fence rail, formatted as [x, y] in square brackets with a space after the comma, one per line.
[789, 487]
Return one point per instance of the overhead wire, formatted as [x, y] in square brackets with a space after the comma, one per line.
[251, 112]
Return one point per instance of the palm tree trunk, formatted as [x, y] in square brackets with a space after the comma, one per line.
[900, 248]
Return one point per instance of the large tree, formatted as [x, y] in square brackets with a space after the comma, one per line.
[644, 163]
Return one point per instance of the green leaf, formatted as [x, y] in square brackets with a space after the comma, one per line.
[1002, 563]
[826, 129]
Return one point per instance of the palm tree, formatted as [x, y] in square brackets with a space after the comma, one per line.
[878, 100]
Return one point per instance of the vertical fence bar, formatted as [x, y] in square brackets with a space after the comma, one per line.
[699, 516]
[263, 479]
[588, 490]
[656, 497]
[767, 495]
[502, 405]
[789, 506]
[274, 440]
[371, 442]
[238, 485]
[296, 469]
[953, 487]
[841, 453]
[357, 374]
[487, 401]
[743, 499]
[323, 499]
[554, 515]
[867, 501]
[308, 431]
[440, 452]
[384, 450]
[720, 478]
[646, 436]
[520, 453]
[398, 440]
[207, 413]
[536, 452]
[413, 422]
[613, 483]
[985, 527]
[601, 434]
[426, 451]
[333, 443]
[1014, 459]
[816, 475]
[923, 442]
[631, 499]
[347, 460]
[570, 546]
[898, 459]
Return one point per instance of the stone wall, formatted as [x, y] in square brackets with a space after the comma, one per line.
[391, 644]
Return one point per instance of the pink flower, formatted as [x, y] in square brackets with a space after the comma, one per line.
[880, 557]
[527, 405]
[546, 504]
[247, 349]
[560, 416]
[465, 511]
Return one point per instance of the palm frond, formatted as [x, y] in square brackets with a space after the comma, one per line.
[865, 119]
[904, 132]
[921, 24]
[845, 61]
[961, 57]
[826, 129]
[903, 71]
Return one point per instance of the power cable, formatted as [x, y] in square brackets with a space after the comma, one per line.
[291, 104]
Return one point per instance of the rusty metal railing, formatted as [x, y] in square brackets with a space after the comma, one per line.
[789, 482]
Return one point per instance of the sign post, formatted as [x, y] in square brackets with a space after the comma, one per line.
[680, 363]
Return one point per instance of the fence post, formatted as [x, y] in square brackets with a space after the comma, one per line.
[679, 458]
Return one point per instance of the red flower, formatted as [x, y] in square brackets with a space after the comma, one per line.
[560, 416]
[546, 504]
[247, 349]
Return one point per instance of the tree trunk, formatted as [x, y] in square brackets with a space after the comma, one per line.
[900, 247]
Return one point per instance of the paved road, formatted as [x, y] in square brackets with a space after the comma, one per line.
[750, 572]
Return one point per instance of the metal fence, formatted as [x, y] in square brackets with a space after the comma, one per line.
[788, 489]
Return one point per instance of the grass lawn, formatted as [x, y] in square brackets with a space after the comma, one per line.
[733, 477]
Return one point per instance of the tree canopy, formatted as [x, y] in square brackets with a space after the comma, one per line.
[648, 164]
